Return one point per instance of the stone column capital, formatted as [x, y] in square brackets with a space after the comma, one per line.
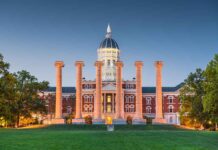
[119, 64]
[158, 64]
[98, 63]
[139, 63]
[59, 64]
[79, 63]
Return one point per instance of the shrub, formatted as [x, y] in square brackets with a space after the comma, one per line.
[129, 120]
[68, 119]
[148, 120]
[88, 119]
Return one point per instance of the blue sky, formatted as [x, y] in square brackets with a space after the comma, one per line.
[182, 33]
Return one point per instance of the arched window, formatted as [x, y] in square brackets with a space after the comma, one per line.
[148, 109]
[88, 108]
[148, 100]
[86, 98]
[131, 99]
[170, 108]
[127, 99]
[129, 103]
[170, 98]
[91, 99]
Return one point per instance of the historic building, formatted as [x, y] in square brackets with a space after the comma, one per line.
[111, 96]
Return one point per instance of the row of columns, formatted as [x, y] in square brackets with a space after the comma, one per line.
[119, 99]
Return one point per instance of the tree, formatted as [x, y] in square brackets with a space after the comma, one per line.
[3, 66]
[27, 99]
[7, 84]
[210, 99]
[191, 95]
[19, 95]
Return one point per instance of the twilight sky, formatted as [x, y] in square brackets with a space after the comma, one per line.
[182, 33]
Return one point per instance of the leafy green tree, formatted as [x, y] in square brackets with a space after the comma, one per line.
[192, 98]
[27, 99]
[7, 94]
[19, 94]
[3, 66]
[210, 99]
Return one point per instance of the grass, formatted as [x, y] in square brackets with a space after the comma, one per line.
[95, 137]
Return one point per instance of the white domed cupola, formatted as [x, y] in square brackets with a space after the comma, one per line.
[109, 53]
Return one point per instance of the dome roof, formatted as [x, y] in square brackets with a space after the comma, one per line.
[109, 43]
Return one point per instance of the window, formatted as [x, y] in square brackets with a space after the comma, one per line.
[108, 99]
[88, 103]
[88, 107]
[148, 109]
[108, 62]
[129, 103]
[170, 98]
[129, 86]
[148, 100]
[170, 109]
[109, 108]
[127, 99]
[113, 62]
[129, 108]
[131, 99]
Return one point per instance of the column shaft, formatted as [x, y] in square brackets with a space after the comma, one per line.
[159, 103]
[58, 102]
[119, 100]
[138, 65]
[97, 111]
[79, 65]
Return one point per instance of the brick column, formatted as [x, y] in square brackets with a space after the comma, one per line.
[79, 65]
[119, 99]
[138, 65]
[97, 102]
[159, 105]
[58, 103]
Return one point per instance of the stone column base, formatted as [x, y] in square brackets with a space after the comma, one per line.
[57, 121]
[119, 121]
[159, 121]
[138, 121]
[78, 121]
[98, 121]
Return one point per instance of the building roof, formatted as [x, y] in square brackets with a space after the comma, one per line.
[108, 42]
[64, 89]
[164, 89]
[144, 89]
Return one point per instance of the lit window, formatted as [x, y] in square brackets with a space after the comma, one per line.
[109, 108]
[109, 99]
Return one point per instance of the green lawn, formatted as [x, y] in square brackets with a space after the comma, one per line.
[96, 138]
